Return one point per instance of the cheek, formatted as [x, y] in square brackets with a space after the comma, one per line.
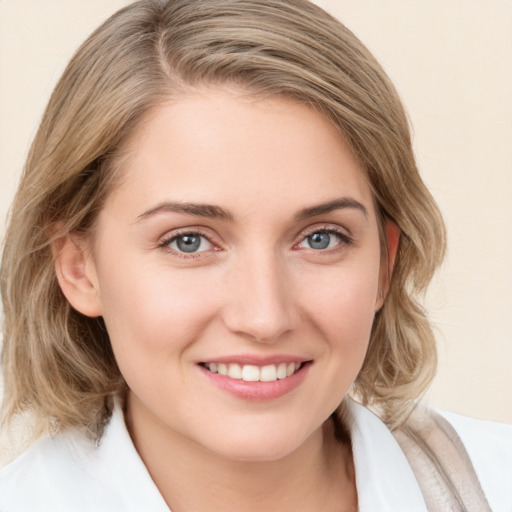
[342, 310]
[345, 322]
[342, 301]
[152, 314]
[338, 305]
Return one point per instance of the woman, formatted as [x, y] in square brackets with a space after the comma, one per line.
[219, 237]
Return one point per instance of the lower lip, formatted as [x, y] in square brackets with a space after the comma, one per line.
[257, 390]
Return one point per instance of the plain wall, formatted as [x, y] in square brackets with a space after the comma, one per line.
[450, 60]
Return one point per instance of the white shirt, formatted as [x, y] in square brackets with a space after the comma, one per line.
[67, 473]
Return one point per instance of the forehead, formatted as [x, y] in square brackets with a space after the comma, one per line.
[223, 145]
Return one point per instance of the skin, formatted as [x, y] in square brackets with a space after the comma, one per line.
[256, 287]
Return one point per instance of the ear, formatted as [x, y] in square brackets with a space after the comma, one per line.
[76, 274]
[392, 235]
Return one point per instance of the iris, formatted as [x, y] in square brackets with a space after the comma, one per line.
[319, 240]
[188, 243]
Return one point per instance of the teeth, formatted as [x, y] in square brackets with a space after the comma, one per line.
[235, 371]
[268, 373]
[252, 373]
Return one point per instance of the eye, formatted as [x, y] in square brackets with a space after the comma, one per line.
[188, 243]
[322, 239]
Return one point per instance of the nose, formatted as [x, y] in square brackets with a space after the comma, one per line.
[260, 303]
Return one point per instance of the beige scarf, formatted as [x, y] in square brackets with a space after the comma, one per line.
[441, 464]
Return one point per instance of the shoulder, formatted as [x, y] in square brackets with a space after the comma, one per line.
[55, 474]
[489, 446]
[68, 472]
[395, 471]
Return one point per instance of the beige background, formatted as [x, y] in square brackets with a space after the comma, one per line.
[450, 60]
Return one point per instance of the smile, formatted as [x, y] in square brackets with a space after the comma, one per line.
[255, 378]
[253, 373]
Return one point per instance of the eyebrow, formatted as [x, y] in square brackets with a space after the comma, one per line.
[335, 204]
[197, 209]
[216, 212]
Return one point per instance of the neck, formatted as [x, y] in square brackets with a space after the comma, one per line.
[318, 475]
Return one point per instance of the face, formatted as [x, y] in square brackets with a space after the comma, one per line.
[238, 268]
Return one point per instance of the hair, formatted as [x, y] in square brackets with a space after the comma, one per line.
[58, 363]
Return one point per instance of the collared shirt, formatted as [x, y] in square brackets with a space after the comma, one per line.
[68, 473]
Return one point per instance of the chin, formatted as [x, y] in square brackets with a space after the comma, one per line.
[246, 452]
[262, 445]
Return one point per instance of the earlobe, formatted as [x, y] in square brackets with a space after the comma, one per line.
[392, 234]
[76, 275]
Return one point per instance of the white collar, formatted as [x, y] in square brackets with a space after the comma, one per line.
[117, 463]
[384, 479]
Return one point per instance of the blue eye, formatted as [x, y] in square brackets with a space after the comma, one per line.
[321, 240]
[189, 243]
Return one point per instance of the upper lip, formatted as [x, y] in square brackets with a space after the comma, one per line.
[256, 360]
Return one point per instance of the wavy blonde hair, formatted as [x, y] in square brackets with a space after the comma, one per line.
[58, 363]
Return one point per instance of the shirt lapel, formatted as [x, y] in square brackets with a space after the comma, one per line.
[384, 478]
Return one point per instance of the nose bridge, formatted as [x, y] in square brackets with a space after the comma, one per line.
[260, 303]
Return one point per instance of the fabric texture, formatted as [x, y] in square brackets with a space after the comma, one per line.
[442, 466]
[69, 473]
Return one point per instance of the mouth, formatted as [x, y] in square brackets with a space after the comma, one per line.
[253, 373]
[251, 379]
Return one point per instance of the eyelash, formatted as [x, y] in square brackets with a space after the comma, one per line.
[345, 241]
[165, 244]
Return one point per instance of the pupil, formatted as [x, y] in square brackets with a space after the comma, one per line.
[319, 240]
[188, 243]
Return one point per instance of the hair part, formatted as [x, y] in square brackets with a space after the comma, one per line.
[59, 363]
